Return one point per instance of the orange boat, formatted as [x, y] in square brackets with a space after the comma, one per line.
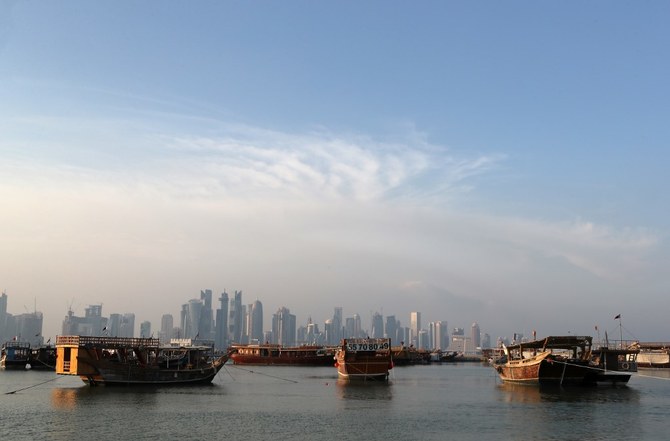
[364, 359]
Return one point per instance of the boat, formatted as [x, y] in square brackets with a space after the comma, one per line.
[654, 356]
[615, 365]
[136, 361]
[364, 359]
[43, 358]
[274, 354]
[15, 355]
[565, 360]
[404, 355]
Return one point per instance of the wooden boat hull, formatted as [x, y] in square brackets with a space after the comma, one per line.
[566, 360]
[135, 361]
[278, 356]
[110, 373]
[354, 363]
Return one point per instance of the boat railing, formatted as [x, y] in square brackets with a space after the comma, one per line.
[108, 342]
[618, 344]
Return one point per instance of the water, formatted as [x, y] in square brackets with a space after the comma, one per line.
[455, 401]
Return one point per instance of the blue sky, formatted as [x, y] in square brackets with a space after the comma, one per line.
[498, 162]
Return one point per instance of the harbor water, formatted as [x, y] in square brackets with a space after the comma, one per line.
[449, 401]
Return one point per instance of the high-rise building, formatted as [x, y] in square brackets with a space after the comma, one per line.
[377, 330]
[284, 327]
[145, 329]
[414, 326]
[206, 323]
[4, 334]
[93, 324]
[236, 318]
[439, 335]
[336, 329]
[113, 326]
[475, 336]
[127, 325]
[221, 325]
[191, 313]
[167, 324]
[486, 341]
[255, 323]
[423, 340]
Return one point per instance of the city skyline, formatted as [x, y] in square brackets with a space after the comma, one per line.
[490, 161]
[436, 334]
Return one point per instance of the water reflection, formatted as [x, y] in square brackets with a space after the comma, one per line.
[70, 398]
[515, 393]
[371, 390]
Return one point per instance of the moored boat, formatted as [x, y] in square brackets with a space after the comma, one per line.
[273, 354]
[364, 359]
[43, 358]
[15, 355]
[565, 360]
[135, 361]
[654, 356]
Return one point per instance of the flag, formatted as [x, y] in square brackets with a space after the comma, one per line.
[618, 316]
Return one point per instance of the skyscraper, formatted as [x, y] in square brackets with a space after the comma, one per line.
[284, 327]
[255, 327]
[337, 330]
[221, 325]
[414, 326]
[236, 318]
[377, 325]
[127, 325]
[439, 335]
[167, 324]
[145, 329]
[206, 323]
[475, 336]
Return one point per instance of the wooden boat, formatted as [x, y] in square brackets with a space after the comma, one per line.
[43, 358]
[273, 354]
[615, 365]
[654, 356]
[135, 361]
[364, 359]
[15, 355]
[403, 356]
[564, 360]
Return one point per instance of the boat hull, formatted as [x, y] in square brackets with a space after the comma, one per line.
[136, 361]
[106, 373]
[265, 355]
[566, 360]
[654, 359]
[356, 364]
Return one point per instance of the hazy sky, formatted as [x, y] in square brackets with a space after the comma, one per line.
[498, 162]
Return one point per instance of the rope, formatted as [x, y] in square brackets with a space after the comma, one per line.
[28, 387]
[267, 375]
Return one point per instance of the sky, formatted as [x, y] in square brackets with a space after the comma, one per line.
[497, 162]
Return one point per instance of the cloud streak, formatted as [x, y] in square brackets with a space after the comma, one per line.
[309, 220]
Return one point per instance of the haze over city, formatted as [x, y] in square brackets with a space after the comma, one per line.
[497, 162]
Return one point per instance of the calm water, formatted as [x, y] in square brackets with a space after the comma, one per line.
[457, 401]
